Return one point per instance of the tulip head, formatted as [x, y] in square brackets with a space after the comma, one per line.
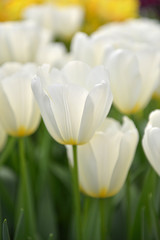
[74, 101]
[20, 41]
[105, 160]
[134, 76]
[19, 113]
[151, 140]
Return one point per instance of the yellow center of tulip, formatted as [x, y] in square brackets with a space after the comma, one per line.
[21, 132]
[103, 193]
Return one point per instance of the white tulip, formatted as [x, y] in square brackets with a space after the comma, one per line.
[131, 29]
[43, 14]
[19, 113]
[134, 76]
[61, 21]
[74, 101]
[84, 48]
[151, 140]
[105, 160]
[19, 41]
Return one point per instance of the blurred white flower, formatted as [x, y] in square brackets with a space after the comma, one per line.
[68, 20]
[19, 41]
[3, 137]
[74, 101]
[61, 21]
[54, 54]
[105, 160]
[134, 77]
[151, 140]
[84, 48]
[42, 14]
[132, 29]
[19, 113]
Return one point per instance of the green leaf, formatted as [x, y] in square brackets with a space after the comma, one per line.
[5, 231]
[149, 187]
[154, 218]
[19, 233]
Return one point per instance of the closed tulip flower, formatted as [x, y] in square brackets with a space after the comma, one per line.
[134, 76]
[151, 140]
[74, 101]
[105, 160]
[19, 113]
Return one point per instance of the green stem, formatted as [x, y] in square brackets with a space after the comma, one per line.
[26, 194]
[128, 205]
[102, 219]
[76, 194]
[7, 151]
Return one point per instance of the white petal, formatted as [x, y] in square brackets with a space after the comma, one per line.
[67, 106]
[96, 108]
[46, 110]
[126, 154]
[82, 48]
[76, 72]
[125, 79]
[151, 146]
[149, 64]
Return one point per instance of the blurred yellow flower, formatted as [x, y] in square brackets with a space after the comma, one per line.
[11, 9]
[98, 12]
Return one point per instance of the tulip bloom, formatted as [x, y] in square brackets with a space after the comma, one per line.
[74, 101]
[54, 18]
[19, 113]
[105, 160]
[134, 76]
[151, 140]
[20, 41]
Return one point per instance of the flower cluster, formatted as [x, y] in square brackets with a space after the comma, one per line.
[73, 88]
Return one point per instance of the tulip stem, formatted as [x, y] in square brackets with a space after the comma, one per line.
[6, 152]
[25, 193]
[102, 219]
[76, 194]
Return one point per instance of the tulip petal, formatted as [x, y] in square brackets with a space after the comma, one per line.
[151, 145]
[46, 111]
[96, 108]
[67, 106]
[76, 72]
[125, 79]
[126, 153]
[7, 117]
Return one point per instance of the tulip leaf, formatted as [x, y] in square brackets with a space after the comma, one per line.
[149, 185]
[154, 218]
[5, 231]
[19, 233]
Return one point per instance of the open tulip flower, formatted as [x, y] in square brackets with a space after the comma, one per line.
[105, 160]
[19, 113]
[74, 101]
[151, 140]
